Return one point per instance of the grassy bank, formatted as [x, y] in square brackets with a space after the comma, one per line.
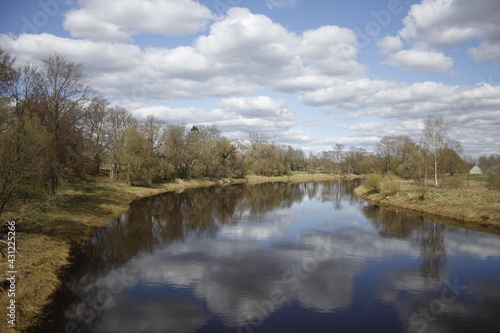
[474, 206]
[46, 233]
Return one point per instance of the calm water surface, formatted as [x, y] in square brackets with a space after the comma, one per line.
[306, 257]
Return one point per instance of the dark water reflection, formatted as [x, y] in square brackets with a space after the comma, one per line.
[307, 257]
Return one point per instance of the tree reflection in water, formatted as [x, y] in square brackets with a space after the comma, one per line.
[183, 261]
[429, 235]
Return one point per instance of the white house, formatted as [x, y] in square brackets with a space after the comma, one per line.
[475, 171]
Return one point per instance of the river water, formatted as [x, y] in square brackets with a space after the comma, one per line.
[278, 257]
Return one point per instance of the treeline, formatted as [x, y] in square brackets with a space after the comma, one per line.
[395, 154]
[424, 160]
[150, 150]
[487, 162]
[53, 124]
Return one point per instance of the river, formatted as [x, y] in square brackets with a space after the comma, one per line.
[278, 257]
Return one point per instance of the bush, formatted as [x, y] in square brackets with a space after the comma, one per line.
[453, 182]
[495, 170]
[373, 183]
[406, 170]
[493, 177]
[494, 182]
[391, 184]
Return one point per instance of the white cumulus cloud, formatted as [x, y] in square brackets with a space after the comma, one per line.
[332, 50]
[438, 24]
[442, 23]
[485, 51]
[421, 61]
[117, 21]
[390, 44]
[242, 56]
[434, 26]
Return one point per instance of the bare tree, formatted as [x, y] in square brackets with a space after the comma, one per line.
[296, 158]
[65, 89]
[394, 150]
[95, 132]
[58, 96]
[9, 75]
[25, 144]
[487, 161]
[153, 128]
[141, 164]
[353, 158]
[264, 157]
[338, 154]
[174, 138]
[118, 120]
[229, 163]
[27, 92]
[386, 149]
[436, 139]
[452, 159]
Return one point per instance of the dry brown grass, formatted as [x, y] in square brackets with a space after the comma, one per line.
[46, 235]
[475, 207]
[40, 259]
[298, 177]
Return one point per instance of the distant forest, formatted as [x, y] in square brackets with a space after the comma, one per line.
[54, 125]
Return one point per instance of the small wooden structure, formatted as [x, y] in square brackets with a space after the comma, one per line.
[475, 171]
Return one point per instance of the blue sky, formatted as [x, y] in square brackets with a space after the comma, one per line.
[306, 73]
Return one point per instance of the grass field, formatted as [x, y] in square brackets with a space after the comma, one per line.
[471, 205]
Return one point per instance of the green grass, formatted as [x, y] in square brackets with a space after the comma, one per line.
[474, 178]
[478, 178]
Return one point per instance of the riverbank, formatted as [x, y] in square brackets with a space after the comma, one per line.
[474, 207]
[46, 233]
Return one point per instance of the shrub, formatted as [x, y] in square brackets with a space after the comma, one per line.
[494, 182]
[391, 184]
[493, 177]
[495, 170]
[406, 170]
[373, 183]
[453, 182]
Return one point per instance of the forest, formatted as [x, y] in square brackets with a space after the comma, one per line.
[54, 125]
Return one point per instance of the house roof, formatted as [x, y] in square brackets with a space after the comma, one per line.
[476, 169]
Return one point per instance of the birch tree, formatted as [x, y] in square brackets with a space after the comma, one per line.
[436, 139]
